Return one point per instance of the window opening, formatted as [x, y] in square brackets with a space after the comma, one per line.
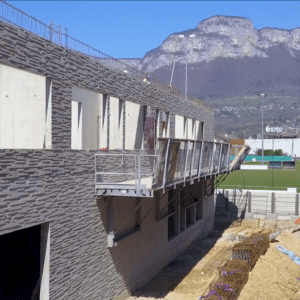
[173, 215]
[20, 264]
[185, 125]
[157, 121]
[48, 121]
[76, 134]
[199, 206]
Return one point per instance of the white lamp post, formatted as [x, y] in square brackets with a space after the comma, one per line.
[181, 36]
[262, 127]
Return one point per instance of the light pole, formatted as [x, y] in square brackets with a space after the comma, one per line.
[181, 36]
[173, 71]
[262, 127]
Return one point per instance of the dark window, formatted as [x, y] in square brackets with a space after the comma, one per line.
[20, 264]
[171, 219]
[188, 219]
[199, 208]
[171, 226]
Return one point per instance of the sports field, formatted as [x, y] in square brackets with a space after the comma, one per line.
[276, 179]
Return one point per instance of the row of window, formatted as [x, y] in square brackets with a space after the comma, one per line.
[184, 214]
[26, 113]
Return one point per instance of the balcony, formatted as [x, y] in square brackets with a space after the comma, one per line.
[138, 173]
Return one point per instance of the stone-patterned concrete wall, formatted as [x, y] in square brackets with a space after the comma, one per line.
[29, 52]
[57, 186]
[139, 257]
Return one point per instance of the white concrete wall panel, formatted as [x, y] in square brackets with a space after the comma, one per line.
[190, 129]
[48, 129]
[76, 125]
[179, 127]
[199, 130]
[22, 109]
[103, 117]
[90, 114]
[115, 126]
[166, 130]
[133, 126]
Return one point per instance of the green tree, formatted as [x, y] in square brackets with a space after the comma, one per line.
[278, 152]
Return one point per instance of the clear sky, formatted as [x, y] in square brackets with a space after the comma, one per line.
[129, 29]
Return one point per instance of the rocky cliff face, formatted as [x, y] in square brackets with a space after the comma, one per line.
[229, 51]
[220, 36]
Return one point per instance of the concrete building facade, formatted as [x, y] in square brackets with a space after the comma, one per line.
[57, 109]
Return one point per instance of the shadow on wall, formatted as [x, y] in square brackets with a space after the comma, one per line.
[173, 274]
[122, 258]
[226, 211]
[130, 256]
[139, 130]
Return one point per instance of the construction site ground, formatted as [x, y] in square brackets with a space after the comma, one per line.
[188, 276]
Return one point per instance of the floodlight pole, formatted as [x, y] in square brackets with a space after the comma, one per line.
[181, 36]
[262, 132]
[262, 127]
[273, 162]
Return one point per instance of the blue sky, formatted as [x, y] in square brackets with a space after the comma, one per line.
[129, 29]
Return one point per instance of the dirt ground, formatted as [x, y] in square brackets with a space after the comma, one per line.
[188, 276]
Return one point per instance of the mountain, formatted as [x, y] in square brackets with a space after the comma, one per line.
[228, 57]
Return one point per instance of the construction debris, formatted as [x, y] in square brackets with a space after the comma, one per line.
[234, 275]
[274, 235]
[274, 276]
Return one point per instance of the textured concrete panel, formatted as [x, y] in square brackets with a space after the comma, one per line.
[57, 185]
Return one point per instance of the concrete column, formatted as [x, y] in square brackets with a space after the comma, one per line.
[249, 202]
[108, 118]
[110, 215]
[138, 214]
[297, 205]
[157, 205]
[227, 200]
[273, 204]
[234, 196]
[213, 184]
[48, 125]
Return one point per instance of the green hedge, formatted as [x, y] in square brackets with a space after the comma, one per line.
[270, 152]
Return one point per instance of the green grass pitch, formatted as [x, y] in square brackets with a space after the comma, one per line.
[262, 179]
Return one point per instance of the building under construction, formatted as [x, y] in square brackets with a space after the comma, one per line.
[104, 178]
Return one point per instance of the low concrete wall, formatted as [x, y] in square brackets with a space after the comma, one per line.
[233, 204]
[254, 167]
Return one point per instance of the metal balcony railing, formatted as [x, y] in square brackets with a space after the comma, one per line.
[182, 160]
[239, 158]
[124, 174]
[175, 161]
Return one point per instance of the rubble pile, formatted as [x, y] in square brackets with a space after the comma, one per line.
[234, 274]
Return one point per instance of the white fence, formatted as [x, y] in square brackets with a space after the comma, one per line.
[233, 203]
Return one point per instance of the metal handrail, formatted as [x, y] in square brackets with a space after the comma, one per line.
[18, 18]
[213, 164]
[137, 167]
[121, 154]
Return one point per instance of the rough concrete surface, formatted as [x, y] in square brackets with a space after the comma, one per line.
[188, 276]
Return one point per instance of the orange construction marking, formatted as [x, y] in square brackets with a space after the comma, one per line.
[297, 221]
